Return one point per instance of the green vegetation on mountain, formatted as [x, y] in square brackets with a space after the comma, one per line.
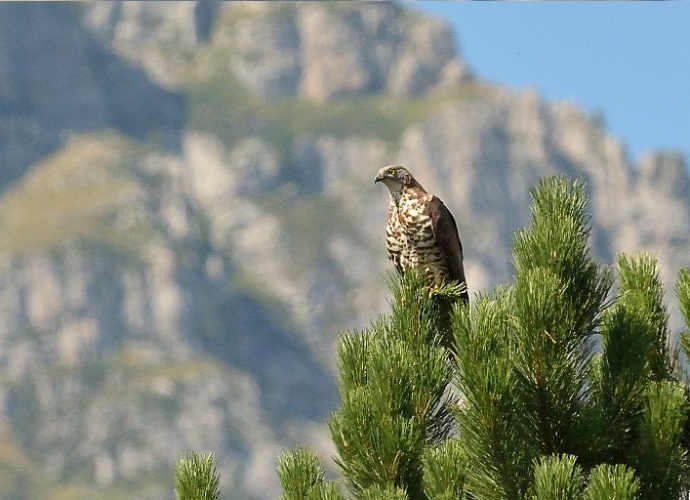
[80, 193]
[219, 105]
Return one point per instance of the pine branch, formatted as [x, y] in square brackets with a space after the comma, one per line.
[641, 290]
[557, 240]
[658, 457]
[550, 361]
[635, 352]
[560, 292]
[557, 477]
[196, 478]
[302, 477]
[498, 443]
[612, 482]
[378, 492]
[394, 380]
[445, 471]
[683, 295]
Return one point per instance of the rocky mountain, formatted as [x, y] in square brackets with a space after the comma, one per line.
[188, 219]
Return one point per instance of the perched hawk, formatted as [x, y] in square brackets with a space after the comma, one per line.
[421, 232]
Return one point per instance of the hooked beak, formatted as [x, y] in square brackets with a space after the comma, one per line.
[379, 178]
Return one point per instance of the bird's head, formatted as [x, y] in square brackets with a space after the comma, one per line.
[395, 178]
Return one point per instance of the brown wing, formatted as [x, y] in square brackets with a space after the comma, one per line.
[446, 233]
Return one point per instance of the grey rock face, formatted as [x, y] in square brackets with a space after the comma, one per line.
[341, 51]
[56, 79]
[290, 50]
[161, 38]
[127, 351]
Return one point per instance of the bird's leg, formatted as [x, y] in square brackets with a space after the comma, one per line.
[435, 281]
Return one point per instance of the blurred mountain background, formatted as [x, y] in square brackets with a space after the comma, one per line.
[188, 219]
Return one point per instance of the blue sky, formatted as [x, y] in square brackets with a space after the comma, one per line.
[628, 62]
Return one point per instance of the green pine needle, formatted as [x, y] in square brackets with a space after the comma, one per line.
[658, 455]
[445, 471]
[557, 477]
[612, 482]
[196, 478]
[302, 477]
[642, 292]
[683, 293]
[377, 492]
[394, 392]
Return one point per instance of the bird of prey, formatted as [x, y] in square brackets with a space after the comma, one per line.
[421, 232]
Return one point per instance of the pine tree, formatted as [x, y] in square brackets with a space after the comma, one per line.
[558, 386]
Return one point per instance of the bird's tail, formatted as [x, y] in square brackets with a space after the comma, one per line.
[445, 298]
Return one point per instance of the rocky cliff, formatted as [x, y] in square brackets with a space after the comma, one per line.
[188, 218]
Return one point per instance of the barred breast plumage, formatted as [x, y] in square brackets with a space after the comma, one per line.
[421, 232]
